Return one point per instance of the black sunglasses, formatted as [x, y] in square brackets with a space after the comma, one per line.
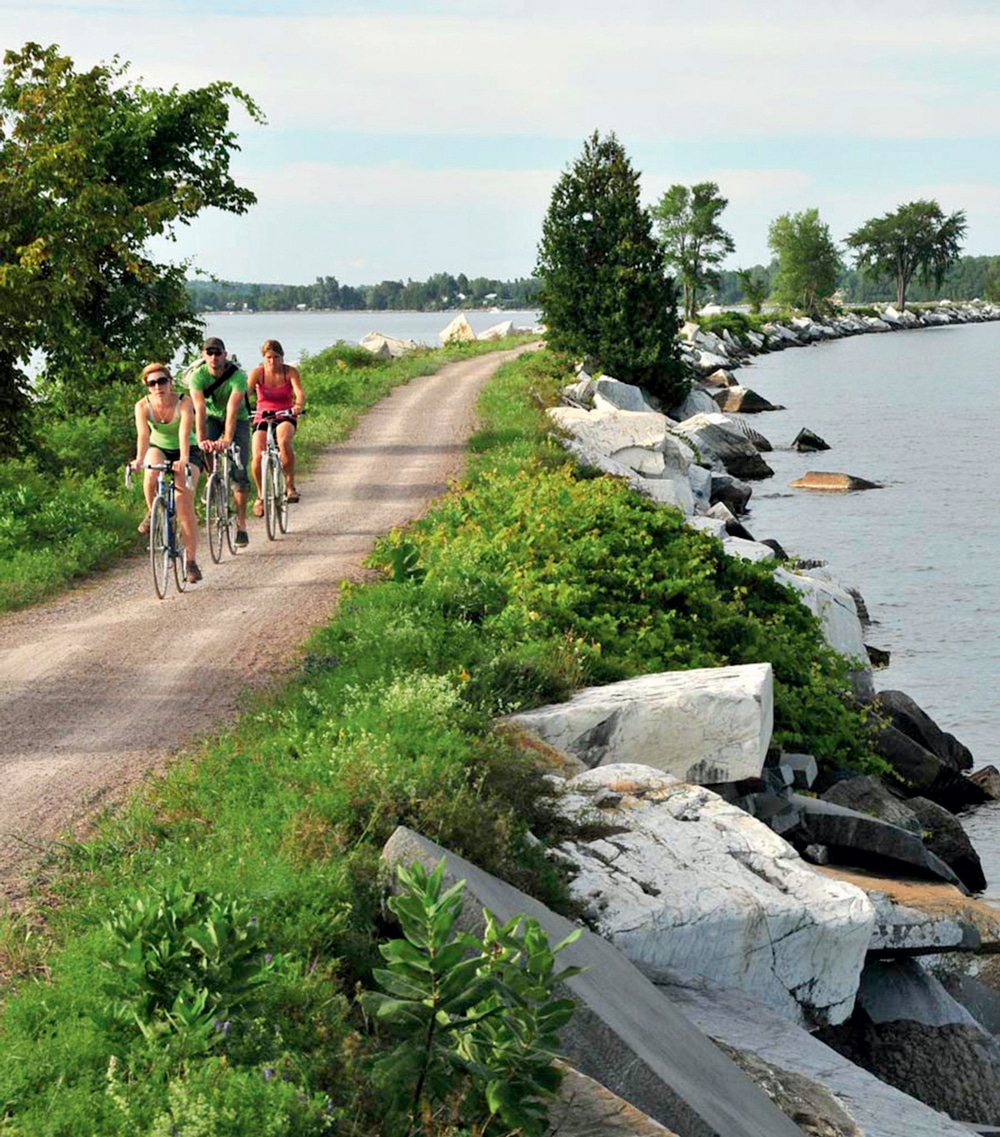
[162, 381]
[214, 351]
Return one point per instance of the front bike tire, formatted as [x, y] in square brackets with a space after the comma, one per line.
[216, 516]
[269, 484]
[281, 493]
[179, 554]
[159, 547]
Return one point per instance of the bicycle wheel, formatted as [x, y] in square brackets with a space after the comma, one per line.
[179, 554]
[269, 485]
[216, 516]
[282, 498]
[227, 497]
[159, 550]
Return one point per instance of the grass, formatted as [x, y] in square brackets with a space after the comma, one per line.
[524, 583]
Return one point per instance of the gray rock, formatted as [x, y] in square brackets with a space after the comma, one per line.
[856, 839]
[944, 836]
[917, 724]
[866, 794]
[626, 1034]
[732, 492]
[808, 442]
[801, 767]
[873, 1107]
[743, 400]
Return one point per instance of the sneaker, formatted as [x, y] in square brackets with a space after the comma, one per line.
[193, 573]
[242, 539]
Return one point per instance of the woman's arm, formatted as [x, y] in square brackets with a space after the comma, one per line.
[141, 434]
[252, 380]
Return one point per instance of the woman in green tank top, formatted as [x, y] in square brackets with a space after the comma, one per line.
[164, 431]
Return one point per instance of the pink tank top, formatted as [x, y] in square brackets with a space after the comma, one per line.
[280, 398]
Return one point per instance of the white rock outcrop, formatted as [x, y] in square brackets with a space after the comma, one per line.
[498, 331]
[836, 609]
[458, 331]
[705, 726]
[387, 347]
[687, 885]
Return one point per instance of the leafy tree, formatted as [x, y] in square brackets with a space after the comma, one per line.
[605, 293]
[917, 237]
[808, 260]
[694, 243]
[91, 168]
[754, 287]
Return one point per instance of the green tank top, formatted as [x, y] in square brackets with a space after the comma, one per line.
[167, 435]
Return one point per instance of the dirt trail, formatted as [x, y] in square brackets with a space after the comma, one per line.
[105, 683]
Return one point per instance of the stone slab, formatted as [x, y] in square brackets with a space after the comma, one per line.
[626, 1033]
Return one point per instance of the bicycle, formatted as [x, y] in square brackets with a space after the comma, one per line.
[220, 511]
[273, 486]
[166, 538]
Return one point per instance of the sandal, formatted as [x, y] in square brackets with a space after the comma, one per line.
[258, 508]
[144, 524]
[292, 497]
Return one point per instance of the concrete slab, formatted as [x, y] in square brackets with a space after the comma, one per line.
[626, 1033]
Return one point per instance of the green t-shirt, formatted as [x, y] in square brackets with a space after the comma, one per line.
[200, 379]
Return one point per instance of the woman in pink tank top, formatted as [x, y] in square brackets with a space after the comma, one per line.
[277, 388]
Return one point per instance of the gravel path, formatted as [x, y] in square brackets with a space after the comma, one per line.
[106, 683]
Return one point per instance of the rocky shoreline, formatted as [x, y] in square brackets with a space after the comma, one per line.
[820, 928]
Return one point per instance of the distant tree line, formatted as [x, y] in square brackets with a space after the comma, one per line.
[968, 278]
[439, 292]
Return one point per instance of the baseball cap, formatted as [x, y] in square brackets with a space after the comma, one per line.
[213, 341]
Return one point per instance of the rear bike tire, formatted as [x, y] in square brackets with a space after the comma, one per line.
[179, 554]
[269, 484]
[159, 548]
[281, 492]
[216, 516]
[230, 506]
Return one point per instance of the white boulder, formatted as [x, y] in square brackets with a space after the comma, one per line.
[498, 331]
[458, 331]
[707, 725]
[690, 887]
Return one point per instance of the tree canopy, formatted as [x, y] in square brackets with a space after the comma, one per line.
[808, 262]
[91, 167]
[605, 293]
[914, 238]
[694, 243]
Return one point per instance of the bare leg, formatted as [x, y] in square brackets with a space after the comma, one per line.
[186, 515]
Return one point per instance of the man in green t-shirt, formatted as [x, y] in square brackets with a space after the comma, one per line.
[222, 414]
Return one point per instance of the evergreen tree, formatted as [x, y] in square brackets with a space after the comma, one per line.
[605, 294]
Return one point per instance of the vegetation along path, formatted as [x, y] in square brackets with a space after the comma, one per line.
[105, 683]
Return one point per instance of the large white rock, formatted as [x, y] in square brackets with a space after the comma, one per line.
[387, 347]
[458, 331]
[836, 609]
[707, 725]
[614, 394]
[606, 431]
[498, 331]
[696, 401]
[686, 884]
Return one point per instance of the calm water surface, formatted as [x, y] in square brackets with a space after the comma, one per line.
[915, 411]
[311, 332]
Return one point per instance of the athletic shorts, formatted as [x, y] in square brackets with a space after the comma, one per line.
[216, 428]
[283, 416]
[195, 457]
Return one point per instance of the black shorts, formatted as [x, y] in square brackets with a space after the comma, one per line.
[216, 428]
[283, 416]
[195, 457]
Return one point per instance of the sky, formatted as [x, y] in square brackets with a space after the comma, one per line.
[405, 138]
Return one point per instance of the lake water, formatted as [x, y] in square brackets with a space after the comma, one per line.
[913, 410]
[298, 332]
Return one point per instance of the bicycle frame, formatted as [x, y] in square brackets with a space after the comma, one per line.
[272, 478]
[219, 514]
[166, 544]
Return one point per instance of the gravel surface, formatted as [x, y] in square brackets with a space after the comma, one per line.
[106, 683]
